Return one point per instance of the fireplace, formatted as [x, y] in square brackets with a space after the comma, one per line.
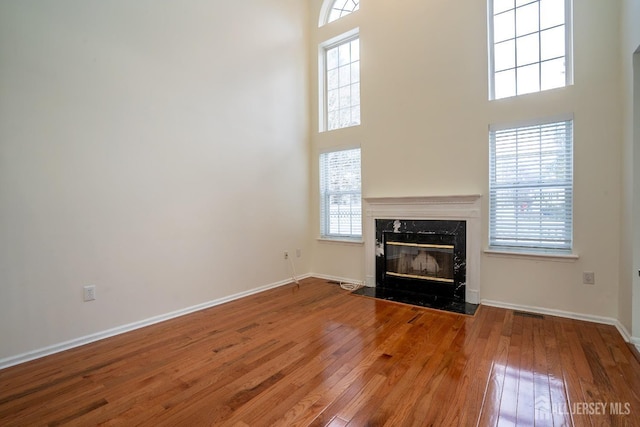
[422, 256]
[409, 255]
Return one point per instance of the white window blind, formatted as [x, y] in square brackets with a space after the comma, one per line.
[340, 194]
[531, 187]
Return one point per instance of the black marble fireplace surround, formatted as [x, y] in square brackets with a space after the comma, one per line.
[436, 286]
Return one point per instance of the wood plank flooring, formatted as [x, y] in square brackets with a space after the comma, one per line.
[318, 356]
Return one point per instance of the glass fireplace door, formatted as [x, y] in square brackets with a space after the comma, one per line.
[421, 261]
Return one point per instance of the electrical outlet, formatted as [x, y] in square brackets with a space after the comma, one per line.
[298, 253]
[286, 254]
[589, 278]
[89, 292]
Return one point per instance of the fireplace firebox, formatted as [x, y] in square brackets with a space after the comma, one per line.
[423, 258]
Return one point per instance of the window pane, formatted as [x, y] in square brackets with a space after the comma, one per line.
[502, 5]
[528, 49]
[339, 4]
[332, 58]
[344, 54]
[355, 72]
[551, 13]
[355, 115]
[553, 74]
[527, 19]
[345, 75]
[528, 79]
[345, 117]
[332, 79]
[355, 94]
[505, 84]
[355, 50]
[333, 15]
[332, 120]
[332, 100]
[504, 26]
[505, 55]
[552, 43]
[345, 97]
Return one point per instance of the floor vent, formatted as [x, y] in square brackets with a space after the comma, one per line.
[333, 282]
[526, 314]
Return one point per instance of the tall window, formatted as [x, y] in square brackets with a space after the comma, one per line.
[530, 46]
[531, 187]
[340, 194]
[341, 92]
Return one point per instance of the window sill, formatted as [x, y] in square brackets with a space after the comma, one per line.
[340, 241]
[533, 255]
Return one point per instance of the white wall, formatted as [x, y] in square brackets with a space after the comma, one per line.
[156, 149]
[630, 253]
[425, 116]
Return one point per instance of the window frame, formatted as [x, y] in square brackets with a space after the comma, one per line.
[324, 196]
[568, 55]
[518, 246]
[323, 119]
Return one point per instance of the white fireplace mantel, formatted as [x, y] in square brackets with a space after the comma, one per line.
[460, 207]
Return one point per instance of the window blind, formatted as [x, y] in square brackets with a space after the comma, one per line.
[340, 194]
[531, 187]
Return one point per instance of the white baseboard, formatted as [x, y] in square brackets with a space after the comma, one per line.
[337, 279]
[77, 342]
[623, 331]
[567, 314]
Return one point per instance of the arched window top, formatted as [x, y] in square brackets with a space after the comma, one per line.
[338, 9]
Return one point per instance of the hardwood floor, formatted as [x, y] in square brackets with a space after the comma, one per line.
[317, 355]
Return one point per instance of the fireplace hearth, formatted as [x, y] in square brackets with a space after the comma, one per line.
[421, 300]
